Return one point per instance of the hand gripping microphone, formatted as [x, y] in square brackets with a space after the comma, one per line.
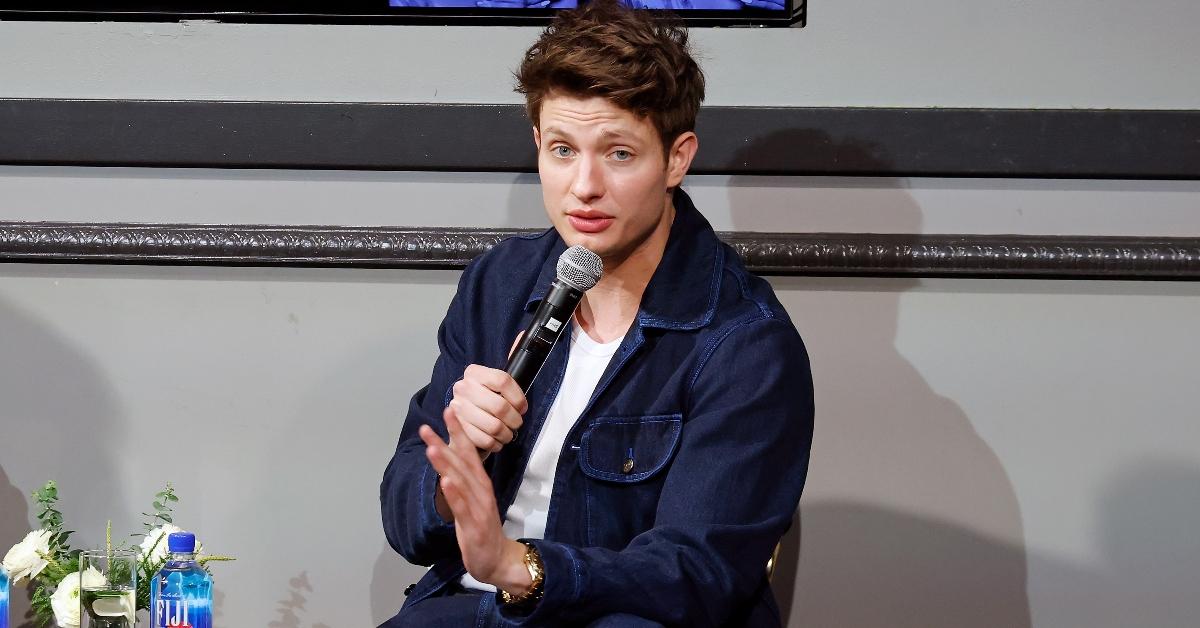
[578, 271]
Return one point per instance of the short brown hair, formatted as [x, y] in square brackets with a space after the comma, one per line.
[639, 61]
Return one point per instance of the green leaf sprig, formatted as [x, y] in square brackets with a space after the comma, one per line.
[51, 518]
[61, 560]
[162, 508]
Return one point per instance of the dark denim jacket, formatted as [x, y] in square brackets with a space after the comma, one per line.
[709, 393]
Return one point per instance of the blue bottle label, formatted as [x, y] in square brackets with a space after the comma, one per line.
[3, 598]
[181, 613]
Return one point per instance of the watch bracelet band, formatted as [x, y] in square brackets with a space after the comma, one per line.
[533, 563]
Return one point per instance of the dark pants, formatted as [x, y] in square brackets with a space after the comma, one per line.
[461, 610]
[448, 611]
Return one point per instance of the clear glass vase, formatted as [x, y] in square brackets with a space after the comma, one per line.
[108, 588]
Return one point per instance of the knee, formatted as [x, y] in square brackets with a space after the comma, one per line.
[624, 620]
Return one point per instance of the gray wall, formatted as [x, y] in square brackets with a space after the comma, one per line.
[988, 453]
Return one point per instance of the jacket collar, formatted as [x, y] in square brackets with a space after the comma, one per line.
[682, 293]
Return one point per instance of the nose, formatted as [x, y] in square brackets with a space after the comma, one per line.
[589, 181]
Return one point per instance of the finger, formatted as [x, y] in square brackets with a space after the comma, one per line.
[475, 388]
[458, 440]
[471, 463]
[430, 437]
[453, 456]
[482, 440]
[471, 519]
[464, 448]
[451, 485]
[467, 476]
[443, 459]
[491, 413]
[520, 334]
[453, 469]
[492, 405]
[499, 382]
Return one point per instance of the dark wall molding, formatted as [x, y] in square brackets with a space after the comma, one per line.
[842, 254]
[1096, 144]
[847, 141]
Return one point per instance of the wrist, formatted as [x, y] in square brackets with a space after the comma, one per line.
[439, 501]
[530, 587]
[512, 575]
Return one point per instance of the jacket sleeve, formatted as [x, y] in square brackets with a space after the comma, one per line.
[410, 519]
[729, 495]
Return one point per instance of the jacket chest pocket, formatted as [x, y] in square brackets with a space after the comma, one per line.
[629, 449]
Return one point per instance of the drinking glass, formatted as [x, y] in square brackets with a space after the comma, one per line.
[108, 588]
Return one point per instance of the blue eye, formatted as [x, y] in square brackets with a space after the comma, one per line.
[622, 155]
[562, 151]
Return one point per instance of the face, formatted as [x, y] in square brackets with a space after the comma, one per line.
[605, 182]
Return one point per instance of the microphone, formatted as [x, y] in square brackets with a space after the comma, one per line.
[578, 271]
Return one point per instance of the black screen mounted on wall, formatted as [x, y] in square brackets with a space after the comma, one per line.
[480, 12]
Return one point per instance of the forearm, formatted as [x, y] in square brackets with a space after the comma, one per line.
[657, 578]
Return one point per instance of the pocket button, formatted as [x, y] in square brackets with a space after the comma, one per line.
[628, 468]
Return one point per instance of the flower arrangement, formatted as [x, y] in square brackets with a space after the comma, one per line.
[45, 557]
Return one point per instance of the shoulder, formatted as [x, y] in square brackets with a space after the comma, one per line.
[489, 302]
[524, 251]
[512, 265]
[749, 323]
[745, 296]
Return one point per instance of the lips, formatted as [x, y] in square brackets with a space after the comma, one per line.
[589, 221]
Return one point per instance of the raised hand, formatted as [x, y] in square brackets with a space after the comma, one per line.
[487, 554]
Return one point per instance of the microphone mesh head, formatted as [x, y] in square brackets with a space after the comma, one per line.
[580, 268]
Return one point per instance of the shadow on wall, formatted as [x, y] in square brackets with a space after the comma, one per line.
[865, 566]
[526, 208]
[390, 576]
[292, 606]
[885, 445]
[1149, 518]
[1146, 538]
[59, 421]
[350, 412]
[14, 525]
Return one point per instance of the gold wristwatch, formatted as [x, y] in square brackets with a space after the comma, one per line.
[533, 562]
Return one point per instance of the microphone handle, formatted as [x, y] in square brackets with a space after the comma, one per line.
[544, 330]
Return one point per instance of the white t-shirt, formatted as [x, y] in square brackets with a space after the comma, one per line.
[526, 517]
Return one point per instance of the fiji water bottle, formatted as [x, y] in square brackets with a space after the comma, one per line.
[181, 592]
[3, 597]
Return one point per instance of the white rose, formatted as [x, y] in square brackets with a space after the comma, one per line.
[27, 559]
[65, 600]
[155, 543]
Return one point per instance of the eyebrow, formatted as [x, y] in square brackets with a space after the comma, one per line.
[611, 133]
[553, 130]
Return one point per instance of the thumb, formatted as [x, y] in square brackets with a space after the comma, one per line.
[516, 342]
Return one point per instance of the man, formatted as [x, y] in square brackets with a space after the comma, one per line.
[660, 454]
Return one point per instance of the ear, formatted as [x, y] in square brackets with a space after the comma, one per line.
[679, 159]
[537, 138]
